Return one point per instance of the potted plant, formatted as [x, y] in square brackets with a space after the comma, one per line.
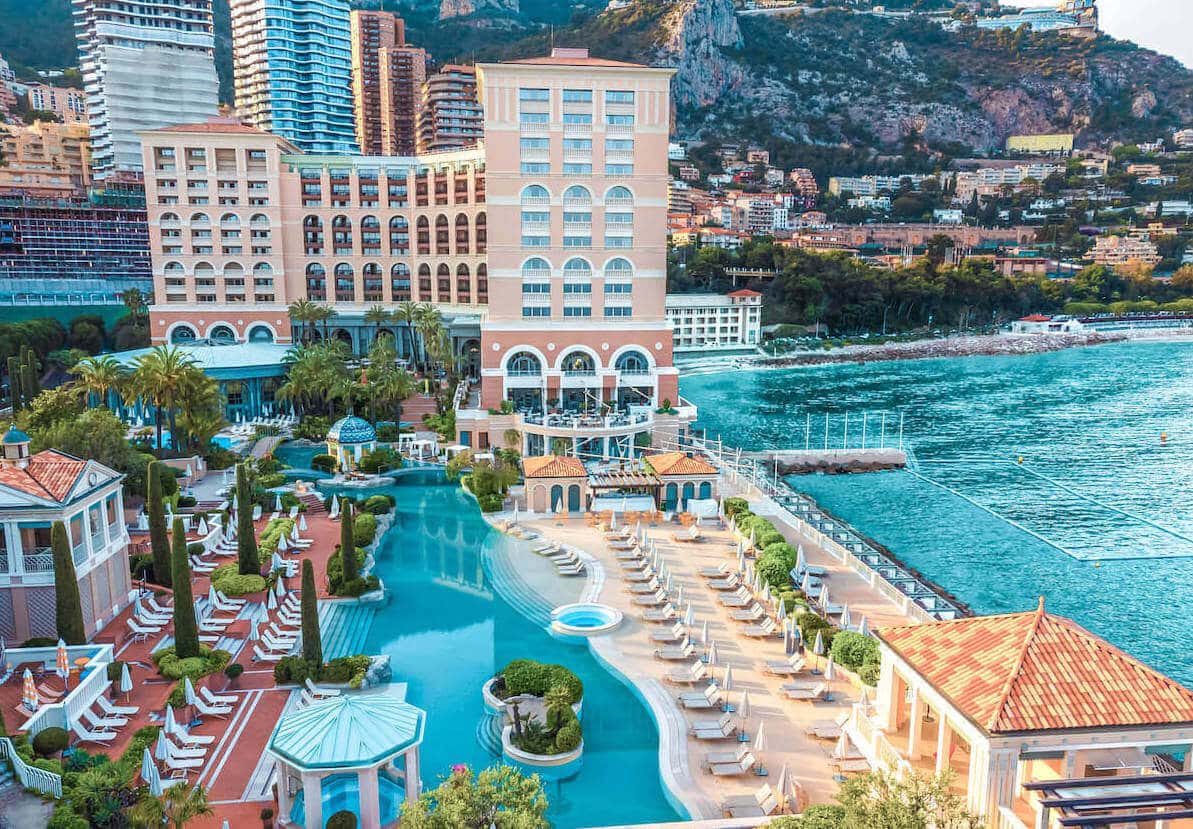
[267, 818]
[233, 672]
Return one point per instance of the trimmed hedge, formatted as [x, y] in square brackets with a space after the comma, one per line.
[324, 463]
[50, 741]
[854, 651]
[355, 587]
[231, 583]
[346, 669]
[342, 819]
[525, 676]
[364, 529]
[735, 506]
[809, 625]
[378, 504]
[274, 530]
[196, 667]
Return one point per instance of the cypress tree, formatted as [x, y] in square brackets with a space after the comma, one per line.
[29, 384]
[348, 542]
[247, 562]
[159, 540]
[14, 383]
[186, 631]
[68, 610]
[312, 644]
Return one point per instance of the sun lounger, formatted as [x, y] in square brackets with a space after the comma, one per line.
[153, 619]
[140, 632]
[622, 545]
[713, 758]
[705, 700]
[87, 736]
[571, 570]
[806, 692]
[674, 633]
[760, 804]
[856, 765]
[214, 625]
[666, 613]
[633, 554]
[231, 603]
[119, 710]
[646, 574]
[318, 692]
[198, 565]
[719, 572]
[545, 547]
[686, 650]
[689, 675]
[652, 586]
[211, 710]
[657, 600]
[734, 769]
[721, 729]
[217, 699]
[767, 629]
[785, 667]
[742, 598]
[749, 614]
[278, 645]
[177, 752]
[731, 583]
[179, 767]
[827, 729]
[182, 735]
[269, 655]
[157, 609]
[102, 723]
[294, 511]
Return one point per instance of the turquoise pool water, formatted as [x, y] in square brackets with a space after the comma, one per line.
[1087, 423]
[446, 632]
[342, 792]
[298, 458]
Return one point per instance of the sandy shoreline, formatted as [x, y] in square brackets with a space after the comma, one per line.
[982, 345]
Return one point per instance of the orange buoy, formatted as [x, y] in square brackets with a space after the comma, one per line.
[1020, 460]
[1163, 437]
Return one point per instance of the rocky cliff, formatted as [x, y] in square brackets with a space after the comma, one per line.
[450, 9]
[695, 38]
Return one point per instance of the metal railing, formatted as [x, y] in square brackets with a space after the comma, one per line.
[39, 562]
[31, 777]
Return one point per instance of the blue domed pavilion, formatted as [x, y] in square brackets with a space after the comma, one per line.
[348, 439]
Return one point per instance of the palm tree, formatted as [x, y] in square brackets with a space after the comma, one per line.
[303, 311]
[316, 372]
[407, 313]
[178, 805]
[427, 321]
[160, 376]
[323, 314]
[99, 376]
[377, 316]
[134, 301]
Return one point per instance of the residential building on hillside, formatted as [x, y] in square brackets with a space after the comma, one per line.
[804, 181]
[873, 185]
[68, 104]
[1121, 250]
[58, 252]
[371, 31]
[450, 115]
[707, 322]
[291, 62]
[8, 97]
[45, 160]
[1183, 139]
[36, 491]
[144, 65]
[403, 73]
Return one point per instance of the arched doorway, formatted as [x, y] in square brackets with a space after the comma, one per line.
[574, 498]
[705, 490]
[670, 496]
[556, 498]
[689, 492]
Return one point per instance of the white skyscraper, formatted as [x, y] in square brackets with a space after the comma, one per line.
[145, 65]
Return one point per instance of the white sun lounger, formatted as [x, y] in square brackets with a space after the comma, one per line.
[721, 571]
[760, 804]
[806, 692]
[102, 723]
[211, 710]
[182, 735]
[694, 672]
[666, 613]
[684, 650]
[140, 633]
[652, 586]
[217, 699]
[704, 700]
[655, 600]
[713, 758]
[785, 667]
[318, 692]
[734, 769]
[87, 736]
[157, 609]
[765, 630]
[749, 614]
[721, 729]
[674, 633]
[121, 710]
[177, 752]
[827, 729]
[269, 655]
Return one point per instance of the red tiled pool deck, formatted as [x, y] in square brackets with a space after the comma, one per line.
[236, 753]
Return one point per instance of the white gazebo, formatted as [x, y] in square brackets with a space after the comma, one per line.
[356, 749]
[348, 439]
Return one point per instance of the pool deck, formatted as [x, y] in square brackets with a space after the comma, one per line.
[630, 652]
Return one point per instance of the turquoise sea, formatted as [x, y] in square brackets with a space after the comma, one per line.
[1090, 504]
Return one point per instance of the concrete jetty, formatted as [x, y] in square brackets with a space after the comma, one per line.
[833, 461]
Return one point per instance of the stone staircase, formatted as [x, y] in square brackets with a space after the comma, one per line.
[488, 732]
[314, 503]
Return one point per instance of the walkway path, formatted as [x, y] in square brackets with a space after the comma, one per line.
[265, 445]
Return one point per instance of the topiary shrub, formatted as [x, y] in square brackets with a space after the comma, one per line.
[195, 548]
[525, 676]
[50, 741]
[294, 670]
[736, 506]
[869, 673]
[569, 737]
[775, 570]
[809, 625]
[852, 650]
[273, 479]
[377, 505]
[228, 581]
[768, 538]
[342, 819]
[560, 677]
[186, 501]
[267, 544]
[207, 662]
[324, 463]
[353, 587]
[364, 529]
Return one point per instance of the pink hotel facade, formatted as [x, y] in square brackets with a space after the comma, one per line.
[544, 247]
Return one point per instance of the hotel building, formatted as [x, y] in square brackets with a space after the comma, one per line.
[68, 104]
[450, 116]
[37, 491]
[706, 322]
[45, 159]
[290, 63]
[544, 247]
[144, 65]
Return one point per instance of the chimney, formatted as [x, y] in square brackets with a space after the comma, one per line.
[569, 53]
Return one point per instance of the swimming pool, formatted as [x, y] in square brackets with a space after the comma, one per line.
[447, 631]
[341, 792]
[585, 619]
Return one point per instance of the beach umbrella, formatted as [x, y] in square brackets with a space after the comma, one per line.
[211, 599]
[225, 826]
[732, 524]
[721, 507]
[277, 502]
[146, 765]
[279, 589]
[766, 593]
[334, 513]
[863, 628]
[712, 653]
[782, 610]
[62, 661]
[612, 520]
[235, 506]
[160, 750]
[202, 529]
[806, 585]
[667, 586]
[760, 738]
[744, 712]
[757, 582]
[797, 638]
[830, 672]
[254, 630]
[704, 633]
[188, 689]
[271, 603]
[294, 533]
[844, 617]
[679, 595]
[800, 564]
[171, 725]
[781, 788]
[727, 685]
[126, 680]
[3, 657]
[741, 561]
[28, 691]
[302, 521]
[514, 520]
[818, 647]
[751, 537]
[283, 544]
[689, 616]
[275, 562]
[190, 473]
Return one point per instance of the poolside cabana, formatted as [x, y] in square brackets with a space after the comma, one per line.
[555, 483]
[684, 477]
[355, 751]
[621, 489]
[1042, 723]
[348, 439]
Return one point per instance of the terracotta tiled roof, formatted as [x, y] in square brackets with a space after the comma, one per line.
[1037, 672]
[50, 474]
[744, 292]
[1035, 318]
[553, 466]
[679, 463]
[216, 125]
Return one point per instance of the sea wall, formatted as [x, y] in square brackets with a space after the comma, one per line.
[832, 461]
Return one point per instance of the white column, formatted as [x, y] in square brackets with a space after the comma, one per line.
[915, 725]
[412, 780]
[283, 783]
[370, 806]
[887, 698]
[944, 744]
[312, 800]
[1188, 764]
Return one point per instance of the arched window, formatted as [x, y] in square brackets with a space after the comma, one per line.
[535, 195]
[577, 268]
[442, 235]
[578, 195]
[423, 229]
[463, 284]
[168, 218]
[259, 221]
[443, 283]
[229, 220]
[173, 269]
[374, 282]
[260, 334]
[312, 235]
[482, 233]
[424, 283]
[341, 235]
[182, 334]
[619, 197]
[461, 233]
[482, 283]
[370, 236]
[370, 223]
[399, 282]
[618, 269]
[633, 362]
[200, 219]
[578, 362]
[223, 334]
[399, 235]
[345, 283]
[536, 269]
[523, 364]
[233, 269]
[262, 269]
[316, 282]
[204, 269]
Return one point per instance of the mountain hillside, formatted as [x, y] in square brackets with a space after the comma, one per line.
[836, 77]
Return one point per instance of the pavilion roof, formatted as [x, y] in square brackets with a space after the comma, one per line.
[553, 466]
[348, 731]
[1034, 671]
[679, 463]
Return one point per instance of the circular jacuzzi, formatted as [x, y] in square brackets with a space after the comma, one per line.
[585, 619]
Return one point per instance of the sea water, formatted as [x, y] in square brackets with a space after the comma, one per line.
[1077, 466]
